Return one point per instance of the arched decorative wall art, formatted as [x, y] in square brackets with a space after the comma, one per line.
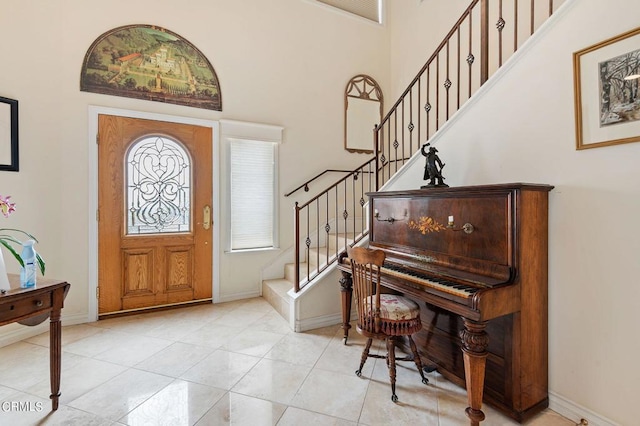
[152, 63]
[363, 103]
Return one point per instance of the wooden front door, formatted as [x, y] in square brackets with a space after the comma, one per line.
[155, 226]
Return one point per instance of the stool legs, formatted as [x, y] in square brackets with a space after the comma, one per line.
[390, 358]
[417, 360]
[391, 362]
[365, 355]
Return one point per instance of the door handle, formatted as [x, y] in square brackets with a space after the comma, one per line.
[206, 222]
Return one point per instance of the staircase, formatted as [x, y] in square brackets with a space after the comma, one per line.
[337, 217]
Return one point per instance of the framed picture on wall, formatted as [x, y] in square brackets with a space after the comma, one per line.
[607, 92]
[8, 134]
[152, 63]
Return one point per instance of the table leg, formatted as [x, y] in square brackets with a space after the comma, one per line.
[474, 347]
[346, 289]
[55, 351]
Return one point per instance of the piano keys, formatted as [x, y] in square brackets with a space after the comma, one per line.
[475, 259]
[463, 291]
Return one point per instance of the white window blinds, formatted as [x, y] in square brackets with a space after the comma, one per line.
[253, 191]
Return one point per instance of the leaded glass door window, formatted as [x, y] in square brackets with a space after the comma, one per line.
[158, 187]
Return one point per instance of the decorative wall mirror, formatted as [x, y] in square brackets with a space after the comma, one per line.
[363, 105]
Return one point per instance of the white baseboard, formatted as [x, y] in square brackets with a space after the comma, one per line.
[239, 296]
[24, 332]
[75, 319]
[576, 412]
[317, 322]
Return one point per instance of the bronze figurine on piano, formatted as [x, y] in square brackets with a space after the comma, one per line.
[432, 168]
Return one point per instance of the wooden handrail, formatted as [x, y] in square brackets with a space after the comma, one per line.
[339, 181]
[305, 185]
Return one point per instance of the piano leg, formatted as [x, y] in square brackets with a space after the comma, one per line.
[346, 290]
[474, 347]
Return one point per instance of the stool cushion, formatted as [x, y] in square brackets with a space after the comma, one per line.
[398, 308]
[399, 316]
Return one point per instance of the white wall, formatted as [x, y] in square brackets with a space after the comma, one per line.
[522, 130]
[282, 62]
[416, 29]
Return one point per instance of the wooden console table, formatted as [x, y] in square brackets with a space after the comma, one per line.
[32, 306]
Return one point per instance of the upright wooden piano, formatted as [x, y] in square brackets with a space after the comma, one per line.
[475, 259]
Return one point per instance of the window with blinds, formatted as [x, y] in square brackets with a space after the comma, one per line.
[251, 170]
[369, 9]
[253, 193]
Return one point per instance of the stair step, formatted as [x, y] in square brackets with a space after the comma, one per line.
[312, 270]
[276, 293]
[339, 241]
[317, 256]
[289, 271]
[332, 242]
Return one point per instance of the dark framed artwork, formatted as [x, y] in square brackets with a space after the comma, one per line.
[8, 134]
[152, 63]
[607, 92]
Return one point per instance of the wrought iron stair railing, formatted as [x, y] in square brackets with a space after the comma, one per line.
[336, 217]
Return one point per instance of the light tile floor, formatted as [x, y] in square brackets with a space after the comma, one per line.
[235, 363]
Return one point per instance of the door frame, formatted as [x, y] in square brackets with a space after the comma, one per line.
[94, 112]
